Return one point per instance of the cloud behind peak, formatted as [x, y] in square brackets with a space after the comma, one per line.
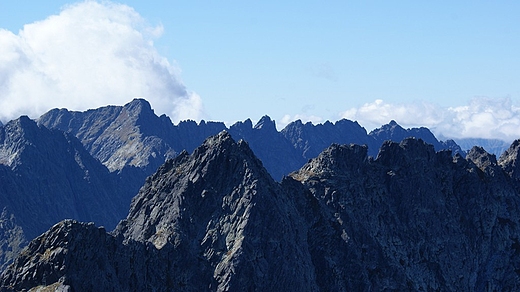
[482, 117]
[91, 54]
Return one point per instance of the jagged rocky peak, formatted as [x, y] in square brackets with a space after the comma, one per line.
[510, 160]
[421, 215]
[118, 136]
[481, 158]
[60, 256]
[266, 123]
[213, 220]
[22, 125]
[138, 106]
[219, 161]
[220, 205]
[16, 136]
[336, 159]
[247, 124]
[46, 176]
[389, 130]
[406, 152]
[396, 133]
[240, 128]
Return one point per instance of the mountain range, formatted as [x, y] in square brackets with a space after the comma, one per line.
[133, 138]
[325, 207]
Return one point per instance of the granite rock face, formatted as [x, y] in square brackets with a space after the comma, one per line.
[214, 220]
[410, 219]
[232, 222]
[419, 220]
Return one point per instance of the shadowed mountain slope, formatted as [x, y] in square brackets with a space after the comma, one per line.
[214, 220]
[46, 176]
[133, 141]
[411, 219]
[416, 219]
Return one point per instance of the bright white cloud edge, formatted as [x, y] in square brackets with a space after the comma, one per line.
[91, 54]
[489, 118]
[482, 117]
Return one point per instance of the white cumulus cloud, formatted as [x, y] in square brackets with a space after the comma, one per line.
[492, 118]
[91, 54]
[287, 119]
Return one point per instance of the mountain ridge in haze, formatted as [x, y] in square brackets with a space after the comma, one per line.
[47, 176]
[110, 132]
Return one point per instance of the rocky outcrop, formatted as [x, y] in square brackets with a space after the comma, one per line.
[277, 154]
[416, 219]
[310, 140]
[129, 140]
[119, 136]
[223, 211]
[410, 219]
[510, 160]
[214, 220]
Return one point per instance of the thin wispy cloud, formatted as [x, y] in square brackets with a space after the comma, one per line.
[492, 118]
[91, 54]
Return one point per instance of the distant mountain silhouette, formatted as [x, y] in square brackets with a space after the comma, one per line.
[47, 176]
[133, 137]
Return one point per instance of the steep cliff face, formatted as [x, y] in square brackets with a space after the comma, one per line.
[214, 220]
[412, 219]
[416, 219]
[220, 207]
[47, 176]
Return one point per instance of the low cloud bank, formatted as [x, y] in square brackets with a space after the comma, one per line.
[490, 118]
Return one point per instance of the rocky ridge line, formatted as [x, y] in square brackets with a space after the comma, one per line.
[409, 219]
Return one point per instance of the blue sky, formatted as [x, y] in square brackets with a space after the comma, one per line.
[453, 67]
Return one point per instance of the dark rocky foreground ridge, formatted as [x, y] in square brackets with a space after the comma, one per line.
[410, 219]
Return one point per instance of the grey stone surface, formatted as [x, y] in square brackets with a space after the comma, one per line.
[419, 220]
[214, 220]
[411, 219]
